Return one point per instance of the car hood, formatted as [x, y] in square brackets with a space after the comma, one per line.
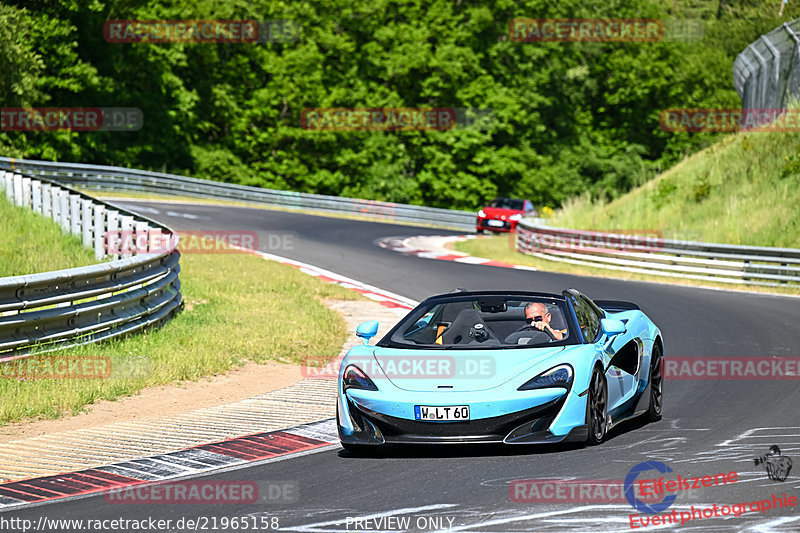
[498, 212]
[457, 370]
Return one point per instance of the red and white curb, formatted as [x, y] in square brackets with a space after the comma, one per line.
[203, 459]
[385, 298]
[434, 247]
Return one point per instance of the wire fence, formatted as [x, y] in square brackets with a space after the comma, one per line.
[767, 73]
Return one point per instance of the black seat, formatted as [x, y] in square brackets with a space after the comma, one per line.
[465, 322]
[557, 318]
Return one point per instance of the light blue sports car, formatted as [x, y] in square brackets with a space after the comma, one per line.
[517, 368]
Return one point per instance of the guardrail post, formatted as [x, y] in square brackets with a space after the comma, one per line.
[36, 192]
[26, 192]
[63, 199]
[46, 204]
[55, 201]
[74, 214]
[86, 222]
[140, 240]
[9, 181]
[99, 231]
[155, 241]
[113, 240]
[17, 189]
[126, 226]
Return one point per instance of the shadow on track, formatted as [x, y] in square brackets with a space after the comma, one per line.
[400, 451]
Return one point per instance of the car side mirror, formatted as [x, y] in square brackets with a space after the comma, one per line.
[612, 327]
[367, 330]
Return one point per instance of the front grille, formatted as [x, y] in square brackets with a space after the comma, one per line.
[489, 429]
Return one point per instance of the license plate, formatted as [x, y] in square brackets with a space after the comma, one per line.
[496, 223]
[441, 413]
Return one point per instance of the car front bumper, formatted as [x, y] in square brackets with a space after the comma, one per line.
[508, 225]
[531, 417]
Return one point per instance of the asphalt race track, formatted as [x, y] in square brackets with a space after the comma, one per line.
[709, 426]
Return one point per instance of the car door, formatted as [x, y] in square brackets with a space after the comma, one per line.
[589, 322]
[623, 369]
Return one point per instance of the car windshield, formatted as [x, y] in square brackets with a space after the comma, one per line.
[482, 322]
[508, 203]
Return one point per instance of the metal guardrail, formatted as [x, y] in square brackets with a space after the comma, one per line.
[767, 73]
[725, 263]
[52, 310]
[118, 179]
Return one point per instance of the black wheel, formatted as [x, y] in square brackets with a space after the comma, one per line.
[597, 403]
[656, 385]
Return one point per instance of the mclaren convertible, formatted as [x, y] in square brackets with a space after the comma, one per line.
[501, 367]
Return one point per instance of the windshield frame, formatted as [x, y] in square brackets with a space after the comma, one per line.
[506, 203]
[390, 341]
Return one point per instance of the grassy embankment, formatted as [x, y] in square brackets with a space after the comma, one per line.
[743, 190]
[239, 308]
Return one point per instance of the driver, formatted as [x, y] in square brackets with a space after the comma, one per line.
[537, 316]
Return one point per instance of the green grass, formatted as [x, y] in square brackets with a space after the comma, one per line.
[239, 308]
[31, 243]
[743, 190]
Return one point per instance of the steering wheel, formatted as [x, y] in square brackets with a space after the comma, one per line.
[531, 333]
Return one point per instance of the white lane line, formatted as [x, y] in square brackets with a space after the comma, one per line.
[144, 209]
[471, 260]
[548, 514]
[314, 270]
[183, 215]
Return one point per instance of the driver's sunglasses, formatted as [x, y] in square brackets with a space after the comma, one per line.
[531, 320]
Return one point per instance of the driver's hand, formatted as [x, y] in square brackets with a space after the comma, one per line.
[539, 325]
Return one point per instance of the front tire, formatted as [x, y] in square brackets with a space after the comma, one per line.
[596, 406]
[656, 385]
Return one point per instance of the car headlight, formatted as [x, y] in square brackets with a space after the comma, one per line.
[482, 213]
[558, 376]
[516, 217]
[355, 378]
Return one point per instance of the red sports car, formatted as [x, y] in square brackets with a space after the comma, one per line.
[502, 214]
